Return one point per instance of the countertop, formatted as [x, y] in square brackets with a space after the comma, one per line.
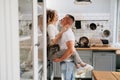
[99, 48]
[106, 75]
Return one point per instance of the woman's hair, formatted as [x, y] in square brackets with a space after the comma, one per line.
[50, 15]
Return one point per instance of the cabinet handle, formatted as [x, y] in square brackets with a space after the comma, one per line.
[90, 59]
[37, 44]
[103, 54]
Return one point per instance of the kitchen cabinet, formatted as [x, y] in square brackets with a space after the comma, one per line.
[26, 40]
[86, 56]
[104, 60]
[99, 59]
[32, 42]
[118, 63]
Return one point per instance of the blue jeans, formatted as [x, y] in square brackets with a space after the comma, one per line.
[67, 70]
[49, 69]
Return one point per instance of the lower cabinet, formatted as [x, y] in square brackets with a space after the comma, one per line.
[86, 56]
[118, 63]
[104, 60]
[100, 60]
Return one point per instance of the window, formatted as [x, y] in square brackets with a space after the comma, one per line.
[118, 21]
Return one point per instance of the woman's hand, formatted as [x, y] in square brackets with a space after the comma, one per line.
[64, 28]
[57, 60]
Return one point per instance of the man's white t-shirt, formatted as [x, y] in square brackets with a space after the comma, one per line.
[67, 36]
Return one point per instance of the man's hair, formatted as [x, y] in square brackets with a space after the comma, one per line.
[72, 17]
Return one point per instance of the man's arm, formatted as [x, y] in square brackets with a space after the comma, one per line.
[69, 51]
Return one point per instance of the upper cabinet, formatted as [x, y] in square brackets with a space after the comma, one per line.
[31, 40]
[25, 19]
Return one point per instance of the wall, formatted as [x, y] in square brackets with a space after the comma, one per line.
[68, 6]
[9, 46]
[97, 12]
[85, 30]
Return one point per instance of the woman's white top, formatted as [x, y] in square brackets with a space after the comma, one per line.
[52, 31]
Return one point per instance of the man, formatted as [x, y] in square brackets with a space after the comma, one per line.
[68, 55]
[67, 43]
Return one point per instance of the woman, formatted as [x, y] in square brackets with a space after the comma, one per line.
[53, 36]
[53, 33]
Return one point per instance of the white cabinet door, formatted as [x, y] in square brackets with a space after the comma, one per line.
[32, 40]
[104, 60]
[86, 56]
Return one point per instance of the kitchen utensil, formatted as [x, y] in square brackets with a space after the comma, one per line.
[93, 26]
[78, 24]
[106, 33]
[105, 41]
[83, 42]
